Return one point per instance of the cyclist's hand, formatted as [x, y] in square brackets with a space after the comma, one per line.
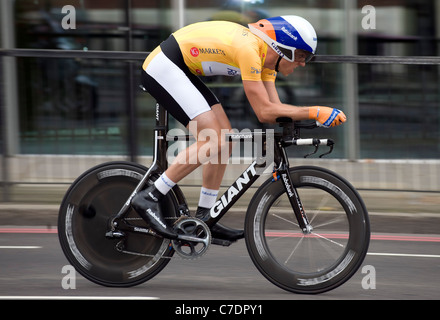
[327, 117]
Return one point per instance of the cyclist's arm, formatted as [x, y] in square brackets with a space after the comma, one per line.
[266, 103]
[272, 91]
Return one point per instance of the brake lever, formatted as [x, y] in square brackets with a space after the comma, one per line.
[312, 153]
[316, 143]
[330, 143]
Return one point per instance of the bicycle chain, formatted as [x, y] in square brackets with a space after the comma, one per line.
[174, 257]
[120, 244]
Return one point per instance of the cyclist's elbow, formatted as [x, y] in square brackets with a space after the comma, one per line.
[264, 115]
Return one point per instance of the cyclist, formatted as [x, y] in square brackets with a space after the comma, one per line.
[170, 74]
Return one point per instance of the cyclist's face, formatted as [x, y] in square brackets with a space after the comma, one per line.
[301, 58]
[287, 67]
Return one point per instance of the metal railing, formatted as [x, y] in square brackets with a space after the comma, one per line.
[133, 56]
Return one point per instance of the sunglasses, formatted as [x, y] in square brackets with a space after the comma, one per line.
[303, 56]
[300, 55]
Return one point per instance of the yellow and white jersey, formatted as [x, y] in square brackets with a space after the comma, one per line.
[202, 49]
[223, 48]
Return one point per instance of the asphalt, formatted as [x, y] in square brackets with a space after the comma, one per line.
[390, 211]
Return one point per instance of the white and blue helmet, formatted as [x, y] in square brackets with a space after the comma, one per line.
[285, 34]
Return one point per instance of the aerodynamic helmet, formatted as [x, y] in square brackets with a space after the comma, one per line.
[285, 34]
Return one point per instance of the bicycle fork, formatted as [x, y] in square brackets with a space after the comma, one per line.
[282, 172]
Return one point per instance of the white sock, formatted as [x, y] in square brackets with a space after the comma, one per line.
[207, 197]
[164, 184]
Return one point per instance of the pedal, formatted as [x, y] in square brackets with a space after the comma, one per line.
[221, 242]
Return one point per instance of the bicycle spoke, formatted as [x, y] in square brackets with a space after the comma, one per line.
[307, 253]
[331, 221]
[328, 239]
[294, 250]
[286, 220]
[324, 201]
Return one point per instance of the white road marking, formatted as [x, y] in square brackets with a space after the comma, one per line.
[404, 255]
[20, 247]
[74, 298]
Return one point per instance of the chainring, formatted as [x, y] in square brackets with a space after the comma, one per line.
[191, 228]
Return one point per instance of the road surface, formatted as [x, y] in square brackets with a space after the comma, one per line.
[398, 266]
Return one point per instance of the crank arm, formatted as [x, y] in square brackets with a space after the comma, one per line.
[190, 238]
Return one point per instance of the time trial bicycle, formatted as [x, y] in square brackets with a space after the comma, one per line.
[306, 228]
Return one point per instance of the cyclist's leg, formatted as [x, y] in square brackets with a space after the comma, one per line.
[200, 152]
[208, 151]
[147, 202]
[213, 171]
[189, 101]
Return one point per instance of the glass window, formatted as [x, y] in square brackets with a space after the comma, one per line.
[79, 106]
[66, 103]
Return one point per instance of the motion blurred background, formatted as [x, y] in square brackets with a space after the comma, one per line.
[60, 116]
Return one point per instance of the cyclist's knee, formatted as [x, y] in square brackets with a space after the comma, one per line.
[210, 133]
[210, 144]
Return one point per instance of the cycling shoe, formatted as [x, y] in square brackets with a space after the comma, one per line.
[147, 205]
[218, 230]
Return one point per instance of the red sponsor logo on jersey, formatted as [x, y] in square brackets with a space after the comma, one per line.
[194, 52]
[199, 71]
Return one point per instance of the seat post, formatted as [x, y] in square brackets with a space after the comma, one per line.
[160, 133]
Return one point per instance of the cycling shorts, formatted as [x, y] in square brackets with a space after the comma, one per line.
[167, 78]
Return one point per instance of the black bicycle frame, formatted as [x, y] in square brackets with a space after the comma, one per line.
[233, 193]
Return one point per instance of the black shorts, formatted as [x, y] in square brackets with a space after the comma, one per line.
[171, 83]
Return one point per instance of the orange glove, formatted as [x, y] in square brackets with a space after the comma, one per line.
[327, 117]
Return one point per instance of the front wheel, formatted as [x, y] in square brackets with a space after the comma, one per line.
[89, 204]
[319, 261]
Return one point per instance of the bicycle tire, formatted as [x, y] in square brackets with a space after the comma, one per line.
[323, 260]
[92, 199]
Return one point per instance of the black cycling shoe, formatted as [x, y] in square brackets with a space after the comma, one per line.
[147, 205]
[218, 230]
